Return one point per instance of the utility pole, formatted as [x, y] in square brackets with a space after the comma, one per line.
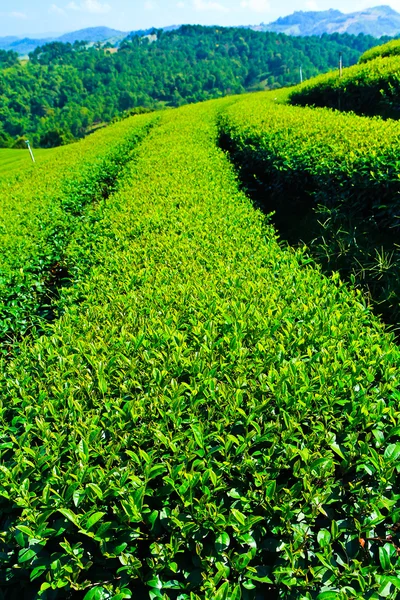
[30, 150]
[340, 64]
[301, 74]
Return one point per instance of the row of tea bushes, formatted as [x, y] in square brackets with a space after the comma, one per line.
[211, 417]
[391, 48]
[343, 167]
[39, 211]
[371, 88]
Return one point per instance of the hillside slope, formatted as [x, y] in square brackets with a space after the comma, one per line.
[196, 412]
[66, 89]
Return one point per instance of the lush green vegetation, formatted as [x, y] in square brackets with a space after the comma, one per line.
[333, 180]
[391, 48]
[205, 415]
[16, 160]
[65, 89]
[40, 208]
[8, 59]
[371, 88]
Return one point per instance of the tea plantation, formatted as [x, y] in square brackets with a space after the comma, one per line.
[340, 168]
[189, 408]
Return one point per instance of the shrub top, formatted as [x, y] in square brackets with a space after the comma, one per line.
[389, 49]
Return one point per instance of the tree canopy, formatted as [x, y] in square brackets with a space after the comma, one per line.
[64, 90]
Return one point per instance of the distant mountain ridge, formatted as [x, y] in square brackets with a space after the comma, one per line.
[92, 35]
[377, 21]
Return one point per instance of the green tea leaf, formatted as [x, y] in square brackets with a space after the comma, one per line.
[97, 593]
[324, 538]
[384, 559]
[93, 519]
[392, 452]
[222, 592]
[68, 514]
[26, 554]
[222, 542]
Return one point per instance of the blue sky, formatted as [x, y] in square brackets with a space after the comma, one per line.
[44, 16]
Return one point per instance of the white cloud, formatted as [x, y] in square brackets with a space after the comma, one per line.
[17, 15]
[258, 6]
[201, 5]
[150, 5]
[312, 5]
[180, 4]
[93, 7]
[57, 10]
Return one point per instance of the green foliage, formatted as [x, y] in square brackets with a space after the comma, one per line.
[15, 161]
[391, 48]
[343, 167]
[209, 417]
[8, 59]
[40, 210]
[65, 90]
[371, 88]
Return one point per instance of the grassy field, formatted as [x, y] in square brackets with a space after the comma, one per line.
[12, 161]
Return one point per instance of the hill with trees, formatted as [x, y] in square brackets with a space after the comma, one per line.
[67, 89]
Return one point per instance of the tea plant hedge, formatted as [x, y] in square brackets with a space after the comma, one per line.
[344, 167]
[209, 417]
[371, 88]
[391, 48]
[40, 209]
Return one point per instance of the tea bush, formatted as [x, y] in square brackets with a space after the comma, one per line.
[391, 48]
[40, 209]
[371, 88]
[210, 417]
[343, 167]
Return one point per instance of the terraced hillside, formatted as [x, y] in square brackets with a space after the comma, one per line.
[189, 408]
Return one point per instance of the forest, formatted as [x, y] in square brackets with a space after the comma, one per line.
[65, 91]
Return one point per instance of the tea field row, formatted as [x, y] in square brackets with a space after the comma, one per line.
[391, 48]
[332, 173]
[208, 416]
[40, 206]
[371, 88]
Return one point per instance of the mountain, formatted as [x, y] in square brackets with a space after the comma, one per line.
[22, 46]
[9, 39]
[378, 21]
[92, 35]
